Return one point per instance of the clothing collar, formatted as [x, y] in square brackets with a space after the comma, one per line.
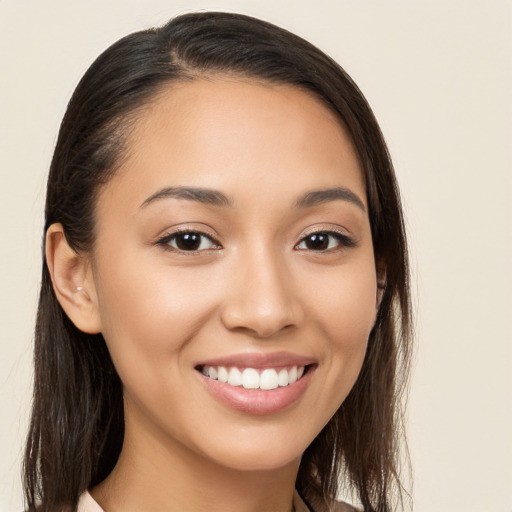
[86, 503]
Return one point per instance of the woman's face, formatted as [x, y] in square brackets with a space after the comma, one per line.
[234, 241]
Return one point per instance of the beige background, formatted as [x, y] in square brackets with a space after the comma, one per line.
[439, 77]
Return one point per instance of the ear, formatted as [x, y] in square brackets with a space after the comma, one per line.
[72, 281]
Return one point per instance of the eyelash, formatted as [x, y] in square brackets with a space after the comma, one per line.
[344, 241]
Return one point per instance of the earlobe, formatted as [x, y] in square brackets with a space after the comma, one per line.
[72, 281]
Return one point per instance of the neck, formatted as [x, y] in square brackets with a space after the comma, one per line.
[156, 473]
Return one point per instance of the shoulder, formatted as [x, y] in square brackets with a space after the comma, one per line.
[321, 505]
[86, 503]
[341, 506]
[336, 506]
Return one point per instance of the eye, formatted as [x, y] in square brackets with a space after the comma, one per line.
[188, 241]
[325, 241]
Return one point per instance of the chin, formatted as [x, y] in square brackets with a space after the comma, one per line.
[260, 461]
[258, 454]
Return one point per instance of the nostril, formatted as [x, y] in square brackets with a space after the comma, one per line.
[261, 309]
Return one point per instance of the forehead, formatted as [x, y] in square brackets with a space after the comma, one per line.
[226, 132]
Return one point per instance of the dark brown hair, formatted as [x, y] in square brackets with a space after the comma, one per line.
[76, 428]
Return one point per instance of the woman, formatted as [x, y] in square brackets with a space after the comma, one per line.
[224, 314]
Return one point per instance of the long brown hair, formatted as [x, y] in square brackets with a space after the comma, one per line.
[76, 429]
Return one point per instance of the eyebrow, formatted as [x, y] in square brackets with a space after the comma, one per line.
[216, 198]
[316, 197]
[199, 194]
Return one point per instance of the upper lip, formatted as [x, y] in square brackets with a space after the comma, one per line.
[255, 360]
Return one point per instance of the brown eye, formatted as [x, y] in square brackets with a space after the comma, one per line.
[324, 241]
[317, 242]
[189, 241]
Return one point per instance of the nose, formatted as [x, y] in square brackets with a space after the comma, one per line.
[261, 298]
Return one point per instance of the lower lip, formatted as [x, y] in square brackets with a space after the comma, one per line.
[257, 401]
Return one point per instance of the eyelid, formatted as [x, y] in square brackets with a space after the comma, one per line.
[319, 228]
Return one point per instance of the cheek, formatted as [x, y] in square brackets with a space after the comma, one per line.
[347, 304]
[347, 314]
[149, 313]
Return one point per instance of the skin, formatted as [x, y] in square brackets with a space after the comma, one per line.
[255, 288]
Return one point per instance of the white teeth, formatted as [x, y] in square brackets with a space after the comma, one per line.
[250, 378]
[268, 379]
[292, 375]
[235, 377]
[222, 374]
[282, 378]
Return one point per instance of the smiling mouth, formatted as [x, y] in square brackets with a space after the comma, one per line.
[251, 378]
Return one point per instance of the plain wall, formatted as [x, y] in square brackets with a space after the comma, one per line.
[438, 75]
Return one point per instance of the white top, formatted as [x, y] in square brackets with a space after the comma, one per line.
[86, 503]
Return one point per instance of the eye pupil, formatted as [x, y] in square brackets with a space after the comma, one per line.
[318, 241]
[188, 241]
